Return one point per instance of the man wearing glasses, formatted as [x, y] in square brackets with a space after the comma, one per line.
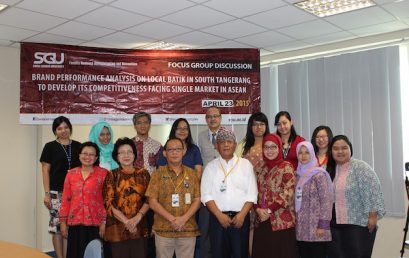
[174, 196]
[207, 145]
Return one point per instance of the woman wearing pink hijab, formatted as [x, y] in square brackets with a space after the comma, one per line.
[274, 233]
[314, 198]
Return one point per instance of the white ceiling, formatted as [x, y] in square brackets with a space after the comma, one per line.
[274, 26]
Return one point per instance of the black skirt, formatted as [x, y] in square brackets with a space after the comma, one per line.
[78, 239]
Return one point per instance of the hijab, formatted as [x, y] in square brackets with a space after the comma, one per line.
[280, 158]
[306, 171]
[105, 149]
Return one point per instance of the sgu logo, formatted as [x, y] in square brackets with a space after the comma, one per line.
[48, 58]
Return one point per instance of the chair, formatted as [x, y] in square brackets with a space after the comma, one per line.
[94, 249]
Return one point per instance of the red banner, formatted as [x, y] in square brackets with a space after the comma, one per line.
[93, 84]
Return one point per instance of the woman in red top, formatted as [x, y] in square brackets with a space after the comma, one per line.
[289, 137]
[82, 212]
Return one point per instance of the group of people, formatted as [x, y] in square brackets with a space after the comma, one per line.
[269, 195]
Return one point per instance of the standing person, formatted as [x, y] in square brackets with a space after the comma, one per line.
[147, 156]
[207, 145]
[101, 134]
[251, 148]
[320, 139]
[192, 158]
[174, 196]
[289, 137]
[274, 232]
[57, 158]
[358, 205]
[229, 191]
[82, 213]
[313, 204]
[126, 204]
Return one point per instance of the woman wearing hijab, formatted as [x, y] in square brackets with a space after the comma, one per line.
[101, 134]
[274, 233]
[313, 204]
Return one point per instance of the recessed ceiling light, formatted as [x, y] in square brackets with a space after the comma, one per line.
[323, 8]
[3, 6]
[161, 45]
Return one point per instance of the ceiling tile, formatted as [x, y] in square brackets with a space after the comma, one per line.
[95, 44]
[14, 34]
[103, 1]
[234, 29]
[329, 38]
[80, 31]
[197, 17]
[244, 8]
[65, 9]
[10, 2]
[113, 18]
[360, 18]
[153, 8]
[228, 44]
[381, 2]
[264, 39]
[380, 28]
[399, 9]
[309, 29]
[157, 29]
[28, 20]
[281, 17]
[264, 52]
[124, 40]
[5, 42]
[55, 39]
[195, 39]
[293, 45]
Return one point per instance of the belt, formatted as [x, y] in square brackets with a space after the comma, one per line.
[231, 214]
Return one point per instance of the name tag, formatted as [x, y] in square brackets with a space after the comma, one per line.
[188, 200]
[175, 200]
[298, 194]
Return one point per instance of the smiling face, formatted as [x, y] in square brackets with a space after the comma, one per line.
[226, 148]
[126, 156]
[182, 131]
[213, 118]
[174, 152]
[303, 155]
[341, 152]
[104, 136]
[88, 156]
[270, 150]
[322, 139]
[142, 126]
[258, 128]
[63, 131]
[284, 125]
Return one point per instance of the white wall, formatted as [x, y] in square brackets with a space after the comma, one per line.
[24, 219]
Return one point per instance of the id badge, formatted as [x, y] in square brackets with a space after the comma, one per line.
[188, 200]
[175, 200]
[223, 186]
[298, 194]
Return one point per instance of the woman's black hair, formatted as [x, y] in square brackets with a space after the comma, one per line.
[58, 121]
[293, 133]
[249, 139]
[172, 134]
[119, 143]
[93, 145]
[314, 135]
[331, 166]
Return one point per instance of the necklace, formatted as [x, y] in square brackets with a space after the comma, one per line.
[67, 151]
[286, 150]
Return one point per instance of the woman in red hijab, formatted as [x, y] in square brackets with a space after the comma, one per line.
[274, 234]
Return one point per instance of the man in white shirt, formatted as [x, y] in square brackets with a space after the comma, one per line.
[229, 190]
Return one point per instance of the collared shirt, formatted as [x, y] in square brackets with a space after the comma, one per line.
[165, 183]
[240, 185]
[82, 202]
[147, 153]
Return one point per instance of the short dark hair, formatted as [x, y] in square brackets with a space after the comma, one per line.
[331, 162]
[249, 139]
[172, 134]
[293, 133]
[171, 139]
[58, 121]
[119, 143]
[314, 135]
[93, 145]
[216, 107]
[141, 114]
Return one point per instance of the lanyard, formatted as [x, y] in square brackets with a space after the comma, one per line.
[183, 179]
[228, 173]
